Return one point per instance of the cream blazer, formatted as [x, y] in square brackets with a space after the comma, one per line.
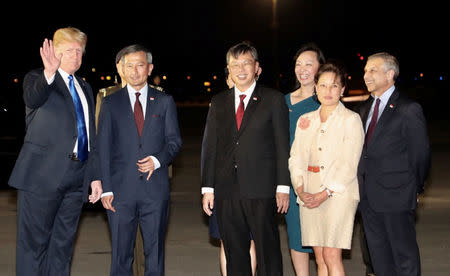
[340, 141]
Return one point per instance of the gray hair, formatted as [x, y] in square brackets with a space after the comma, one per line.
[242, 48]
[390, 62]
[134, 49]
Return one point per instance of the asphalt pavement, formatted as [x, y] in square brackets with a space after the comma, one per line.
[189, 250]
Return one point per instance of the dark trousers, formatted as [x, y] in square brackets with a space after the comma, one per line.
[139, 258]
[363, 244]
[47, 225]
[236, 218]
[391, 238]
[152, 218]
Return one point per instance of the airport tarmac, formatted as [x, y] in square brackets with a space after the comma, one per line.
[189, 251]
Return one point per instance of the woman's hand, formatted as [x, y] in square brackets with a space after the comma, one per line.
[306, 198]
[316, 199]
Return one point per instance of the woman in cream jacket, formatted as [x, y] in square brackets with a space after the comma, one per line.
[323, 165]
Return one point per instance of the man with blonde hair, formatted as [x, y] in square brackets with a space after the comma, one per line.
[58, 160]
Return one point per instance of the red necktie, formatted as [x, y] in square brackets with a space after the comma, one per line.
[138, 114]
[240, 111]
[373, 121]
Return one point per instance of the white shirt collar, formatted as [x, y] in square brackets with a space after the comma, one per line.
[64, 75]
[247, 92]
[142, 97]
[132, 91]
[386, 95]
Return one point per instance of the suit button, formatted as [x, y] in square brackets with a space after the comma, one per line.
[365, 157]
[140, 146]
[320, 149]
[235, 166]
[321, 167]
[322, 131]
[237, 143]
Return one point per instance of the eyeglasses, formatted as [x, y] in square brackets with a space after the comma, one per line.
[245, 64]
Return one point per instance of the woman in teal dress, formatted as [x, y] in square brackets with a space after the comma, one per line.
[307, 61]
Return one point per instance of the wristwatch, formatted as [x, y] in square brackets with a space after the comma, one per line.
[328, 192]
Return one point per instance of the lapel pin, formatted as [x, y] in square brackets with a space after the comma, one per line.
[255, 98]
[152, 98]
[391, 106]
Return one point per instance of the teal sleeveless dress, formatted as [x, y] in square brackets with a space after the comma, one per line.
[292, 216]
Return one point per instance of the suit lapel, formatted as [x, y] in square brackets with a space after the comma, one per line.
[250, 109]
[385, 116]
[365, 109]
[152, 100]
[125, 107]
[230, 111]
[64, 90]
[86, 94]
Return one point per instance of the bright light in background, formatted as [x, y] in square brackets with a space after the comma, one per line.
[164, 77]
[214, 77]
[93, 70]
[16, 80]
[208, 90]
[207, 83]
[188, 77]
[102, 78]
[421, 75]
[108, 77]
[349, 77]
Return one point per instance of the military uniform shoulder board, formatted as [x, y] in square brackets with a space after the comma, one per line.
[156, 87]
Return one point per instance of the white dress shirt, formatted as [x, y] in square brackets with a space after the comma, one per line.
[65, 77]
[143, 100]
[384, 98]
[237, 100]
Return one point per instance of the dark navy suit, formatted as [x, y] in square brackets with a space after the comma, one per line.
[392, 171]
[136, 200]
[52, 187]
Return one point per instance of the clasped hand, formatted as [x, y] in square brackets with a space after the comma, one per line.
[146, 165]
[312, 200]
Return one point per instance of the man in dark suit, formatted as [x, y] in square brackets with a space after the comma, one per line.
[138, 138]
[392, 171]
[245, 155]
[58, 159]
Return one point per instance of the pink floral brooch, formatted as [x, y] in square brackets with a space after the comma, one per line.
[303, 123]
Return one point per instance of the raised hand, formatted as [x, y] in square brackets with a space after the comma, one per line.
[49, 58]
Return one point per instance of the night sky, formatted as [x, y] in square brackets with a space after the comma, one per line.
[192, 37]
